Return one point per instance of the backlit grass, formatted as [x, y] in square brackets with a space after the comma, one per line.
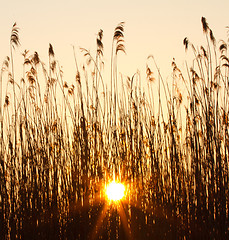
[62, 144]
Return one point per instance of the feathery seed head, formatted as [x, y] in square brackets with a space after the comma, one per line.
[51, 51]
[212, 37]
[119, 38]
[7, 101]
[223, 47]
[186, 42]
[204, 25]
[36, 59]
[204, 51]
[14, 39]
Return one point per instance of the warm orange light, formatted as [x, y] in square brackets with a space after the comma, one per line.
[115, 191]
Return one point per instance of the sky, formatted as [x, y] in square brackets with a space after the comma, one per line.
[151, 28]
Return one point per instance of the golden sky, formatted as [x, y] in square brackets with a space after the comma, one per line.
[151, 27]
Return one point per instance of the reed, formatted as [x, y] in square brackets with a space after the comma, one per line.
[61, 145]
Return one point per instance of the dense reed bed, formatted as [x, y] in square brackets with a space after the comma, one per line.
[61, 145]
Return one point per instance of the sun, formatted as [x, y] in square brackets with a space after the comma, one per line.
[115, 191]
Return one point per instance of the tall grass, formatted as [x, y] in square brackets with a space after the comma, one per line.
[61, 145]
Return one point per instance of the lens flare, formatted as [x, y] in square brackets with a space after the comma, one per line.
[115, 191]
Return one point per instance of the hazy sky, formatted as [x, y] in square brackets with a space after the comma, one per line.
[151, 27]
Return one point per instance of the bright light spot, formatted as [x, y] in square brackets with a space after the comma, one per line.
[115, 191]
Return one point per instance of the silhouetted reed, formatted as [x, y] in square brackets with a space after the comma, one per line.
[60, 146]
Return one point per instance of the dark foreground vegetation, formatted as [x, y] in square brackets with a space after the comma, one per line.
[60, 145]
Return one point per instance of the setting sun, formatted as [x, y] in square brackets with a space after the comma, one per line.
[115, 191]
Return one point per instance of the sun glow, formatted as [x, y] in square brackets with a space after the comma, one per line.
[115, 191]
